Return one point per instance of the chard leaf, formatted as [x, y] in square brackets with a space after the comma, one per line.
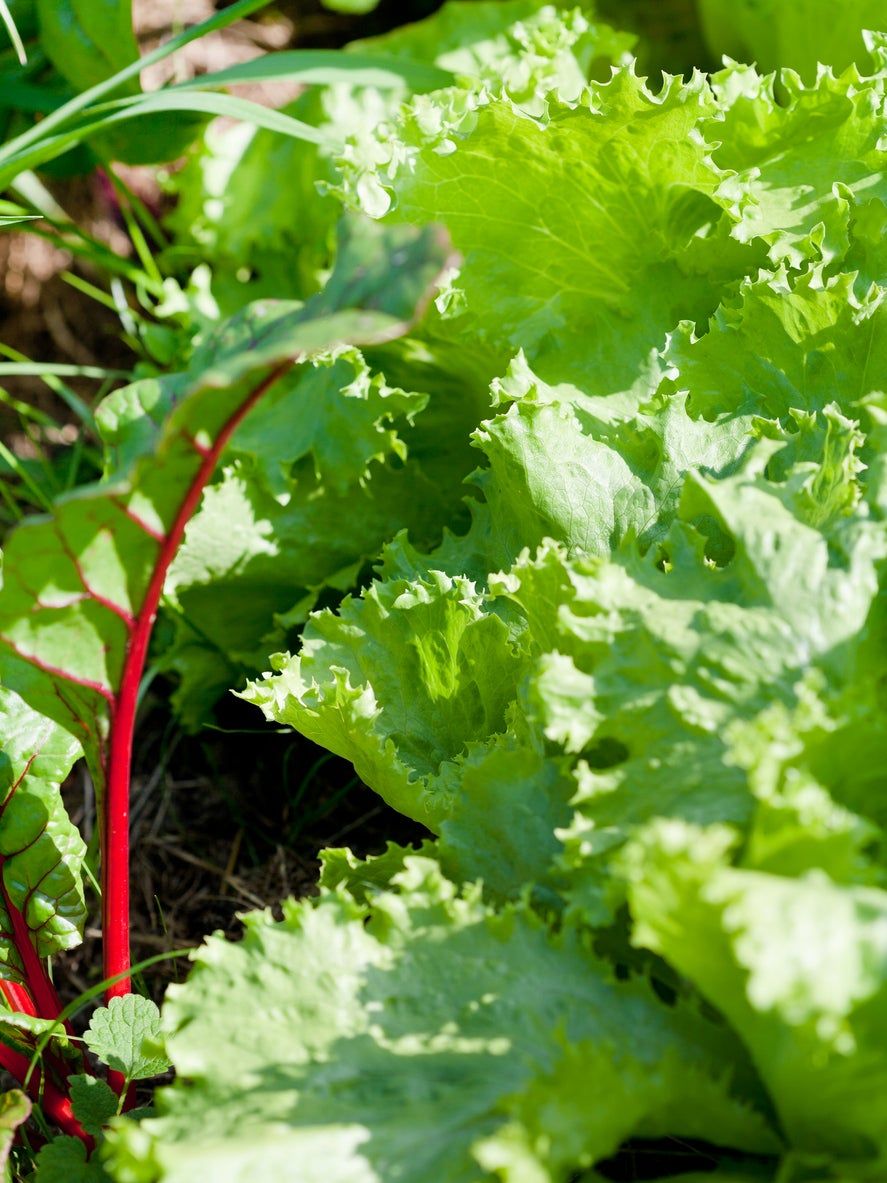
[81, 588]
[41, 850]
[300, 509]
[420, 1036]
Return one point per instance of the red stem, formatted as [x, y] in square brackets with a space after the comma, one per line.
[18, 998]
[115, 854]
[41, 988]
[55, 1104]
[38, 996]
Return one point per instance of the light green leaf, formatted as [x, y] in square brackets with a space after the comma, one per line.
[798, 966]
[568, 295]
[362, 878]
[594, 473]
[530, 48]
[644, 681]
[786, 343]
[347, 690]
[406, 1037]
[228, 218]
[126, 1036]
[251, 569]
[803, 165]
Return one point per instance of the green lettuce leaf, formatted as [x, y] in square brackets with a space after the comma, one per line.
[428, 1036]
[230, 222]
[797, 966]
[550, 267]
[348, 688]
[803, 163]
[786, 343]
[528, 47]
[733, 552]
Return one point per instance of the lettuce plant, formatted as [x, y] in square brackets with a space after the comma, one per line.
[632, 683]
[637, 701]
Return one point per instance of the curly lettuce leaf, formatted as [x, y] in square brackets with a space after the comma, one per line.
[798, 966]
[426, 1035]
[399, 704]
[606, 199]
[803, 162]
[280, 240]
[733, 551]
[529, 48]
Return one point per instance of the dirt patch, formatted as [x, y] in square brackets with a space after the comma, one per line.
[223, 823]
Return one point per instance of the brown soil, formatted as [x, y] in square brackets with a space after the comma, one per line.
[224, 823]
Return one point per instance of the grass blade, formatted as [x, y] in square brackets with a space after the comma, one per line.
[323, 67]
[14, 37]
[160, 101]
[13, 148]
